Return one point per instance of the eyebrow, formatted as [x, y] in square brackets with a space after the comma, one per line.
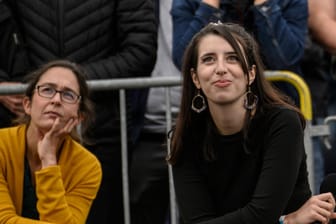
[55, 86]
[227, 53]
[213, 53]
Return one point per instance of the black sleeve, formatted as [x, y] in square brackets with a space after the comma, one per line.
[5, 30]
[282, 158]
[13, 59]
[136, 28]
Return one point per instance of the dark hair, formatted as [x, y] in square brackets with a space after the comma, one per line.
[191, 126]
[85, 104]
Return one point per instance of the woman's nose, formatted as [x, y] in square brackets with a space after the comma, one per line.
[57, 98]
[221, 68]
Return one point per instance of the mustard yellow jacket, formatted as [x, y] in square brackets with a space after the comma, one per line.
[65, 192]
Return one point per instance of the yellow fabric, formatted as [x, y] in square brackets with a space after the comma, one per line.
[65, 192]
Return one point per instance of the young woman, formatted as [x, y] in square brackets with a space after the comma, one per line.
[237, 149]
[45, 174]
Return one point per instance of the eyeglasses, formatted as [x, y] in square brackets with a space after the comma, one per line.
[48, 91]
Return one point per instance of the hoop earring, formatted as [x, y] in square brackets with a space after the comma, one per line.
[251, 100]
[198, 103]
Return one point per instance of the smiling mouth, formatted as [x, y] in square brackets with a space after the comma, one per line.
[222, 83]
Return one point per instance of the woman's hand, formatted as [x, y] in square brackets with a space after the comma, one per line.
[12, 102]
[213, 3]
[259, 2]
[50, 142]
[317, 208]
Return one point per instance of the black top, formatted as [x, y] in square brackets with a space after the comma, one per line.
[255, 182]
[29, 201]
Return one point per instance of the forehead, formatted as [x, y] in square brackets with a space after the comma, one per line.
[61, 77]
[213, 43]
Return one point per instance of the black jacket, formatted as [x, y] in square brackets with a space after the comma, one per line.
[13, 61]
[110, 38]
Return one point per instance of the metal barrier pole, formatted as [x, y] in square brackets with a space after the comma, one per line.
[172, 199]
[124, 155]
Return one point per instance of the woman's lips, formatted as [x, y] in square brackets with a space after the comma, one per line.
[222, 83]
[53, 114]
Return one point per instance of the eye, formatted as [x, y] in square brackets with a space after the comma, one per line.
[47, 90]
[232, 59]
[208, 59]
[69, 95]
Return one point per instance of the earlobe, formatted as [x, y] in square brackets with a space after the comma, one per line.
[252, 74]
[26, 105]
[195, 78]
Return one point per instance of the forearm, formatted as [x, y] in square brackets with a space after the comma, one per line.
[322, 21]
[8, 212]
[281, 33]
[187, 22]
[17, 219]
[259, 2]
[52, 204]
[213, 3]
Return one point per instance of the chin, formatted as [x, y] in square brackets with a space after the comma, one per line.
[45, 126]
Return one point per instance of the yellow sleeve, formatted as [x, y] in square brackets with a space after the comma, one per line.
[65, 206]
[7, 210]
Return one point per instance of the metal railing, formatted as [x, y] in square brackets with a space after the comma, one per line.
[170, 81]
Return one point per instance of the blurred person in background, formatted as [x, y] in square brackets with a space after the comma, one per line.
[13, 65]
[320, 72]
[149, 170]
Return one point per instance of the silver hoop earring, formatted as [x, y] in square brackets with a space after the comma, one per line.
[251, 100]
[198, 103]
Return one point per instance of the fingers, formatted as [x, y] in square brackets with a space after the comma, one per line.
[324, 205]
[62, 126]
[50, 142]
[318, 208]
[13, 103]
[327, 197]
[72, 122]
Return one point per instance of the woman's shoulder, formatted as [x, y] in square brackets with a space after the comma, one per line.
[278, 115]
[280, 112]
[13, 135]
[12, 130]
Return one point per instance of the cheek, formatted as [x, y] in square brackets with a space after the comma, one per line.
[205, 74]
[36, 106]
[71, 111]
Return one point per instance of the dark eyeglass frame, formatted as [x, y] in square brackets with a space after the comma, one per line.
[61, 92]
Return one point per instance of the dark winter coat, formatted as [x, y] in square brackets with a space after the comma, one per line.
[110, 38]
[13, 61]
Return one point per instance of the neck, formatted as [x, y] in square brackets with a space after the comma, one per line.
[229, 118]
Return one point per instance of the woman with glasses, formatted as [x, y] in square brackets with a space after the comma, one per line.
[46, 176]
